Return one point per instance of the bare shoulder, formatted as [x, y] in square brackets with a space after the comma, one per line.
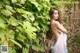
[55, 23]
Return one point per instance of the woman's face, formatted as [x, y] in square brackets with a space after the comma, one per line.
[55, 15]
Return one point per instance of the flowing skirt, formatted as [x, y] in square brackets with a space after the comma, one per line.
[61, 44]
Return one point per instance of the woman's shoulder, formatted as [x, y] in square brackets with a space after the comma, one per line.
[55, 22]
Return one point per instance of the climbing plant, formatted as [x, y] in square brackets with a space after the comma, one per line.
[23, 24]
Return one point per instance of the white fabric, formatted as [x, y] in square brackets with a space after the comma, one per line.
[60, 46]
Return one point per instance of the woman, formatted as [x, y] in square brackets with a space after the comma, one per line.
[57, 30]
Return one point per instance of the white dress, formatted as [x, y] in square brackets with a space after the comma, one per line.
[61, 44]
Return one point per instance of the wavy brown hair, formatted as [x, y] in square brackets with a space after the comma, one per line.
[49, 33]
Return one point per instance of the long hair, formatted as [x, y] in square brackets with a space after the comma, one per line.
[51, 12]
[49, 33]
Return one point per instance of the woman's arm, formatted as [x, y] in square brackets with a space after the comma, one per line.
[60, 27]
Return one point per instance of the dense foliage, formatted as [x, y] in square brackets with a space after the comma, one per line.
[23, 24]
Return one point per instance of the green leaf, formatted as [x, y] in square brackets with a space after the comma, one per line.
[31, 35]
[2, 33]
[21, 11]
[27, 45]
[32, 29]
[45, 27]
[11, 50]
[32, 0]
[32, 18]
[35, 47]
[42, 49]
[13, 21]
[37, 41]
[47, 1]
[38, 48]
[14, 1]
[20, 28]
[6, 12]
[35, 23]
[10, 34]
[21, 38]
[0, 5]
[26, 14]
[25, 50]
[10, 8]
[26, 24]
[2, 23]
[37, 5]
[16, 43]
[6, 1]
[29, 27]
[22, 1]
